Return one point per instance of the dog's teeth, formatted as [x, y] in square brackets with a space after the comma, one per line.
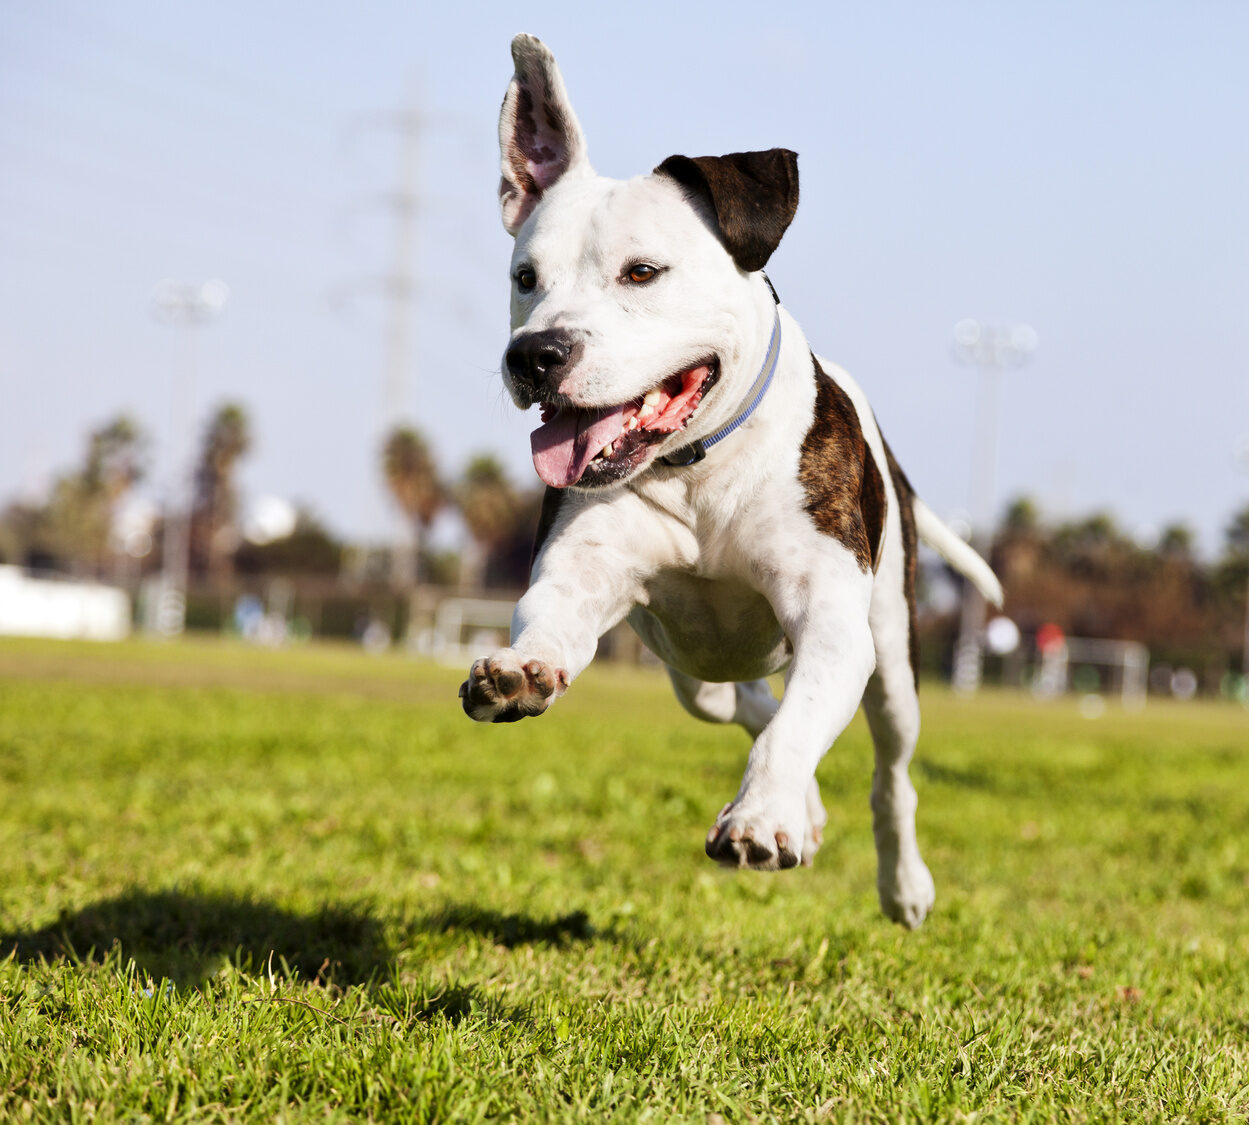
[606, 450]
[652, 398]
[632, 424]
[645, 412]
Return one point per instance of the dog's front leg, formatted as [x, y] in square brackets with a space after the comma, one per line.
[825, 615]
[581, 588]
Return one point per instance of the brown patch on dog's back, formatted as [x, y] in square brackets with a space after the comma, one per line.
[845, 491]
[910, 547]
[872, 497]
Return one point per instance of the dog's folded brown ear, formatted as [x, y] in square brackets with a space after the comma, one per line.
[752, 197]
[540, 140]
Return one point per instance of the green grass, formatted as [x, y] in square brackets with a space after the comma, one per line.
[302, 886]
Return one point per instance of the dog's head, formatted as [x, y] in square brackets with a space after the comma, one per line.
[636, 303]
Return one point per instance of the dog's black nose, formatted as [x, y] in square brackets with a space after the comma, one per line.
[536, 360]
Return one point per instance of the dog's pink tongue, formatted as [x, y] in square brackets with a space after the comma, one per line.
[565, 445]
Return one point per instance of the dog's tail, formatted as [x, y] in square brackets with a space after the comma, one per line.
[957, 553]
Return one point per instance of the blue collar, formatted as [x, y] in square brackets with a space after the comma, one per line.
[694, 452]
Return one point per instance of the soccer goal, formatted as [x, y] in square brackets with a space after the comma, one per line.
[465, 627]
[1115, 666]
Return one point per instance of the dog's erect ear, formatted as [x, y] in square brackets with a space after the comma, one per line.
[752, 196]
[539, 138]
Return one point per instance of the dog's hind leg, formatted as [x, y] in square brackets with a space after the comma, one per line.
[892, 708]
[751, 705]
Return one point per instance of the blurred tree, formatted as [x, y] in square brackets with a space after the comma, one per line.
[116, 453]
[412, 477]
[310, 549]
[1095, 548]
[490, 508]
[214, 508]
[10, 541]
[116, 462]
[1176, 542]
[1022, 517]
[1092, 532]
[81, 510]
[27, 536]
[1231, 573]
[1236, 535]
[1089, 578]
[1230, 580]
[77, 524]
[1019, 542]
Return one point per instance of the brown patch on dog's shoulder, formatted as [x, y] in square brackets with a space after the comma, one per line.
[910, 548]
[546, 521]
[845, 491]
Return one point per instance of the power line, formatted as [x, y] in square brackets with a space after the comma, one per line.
[398, 285]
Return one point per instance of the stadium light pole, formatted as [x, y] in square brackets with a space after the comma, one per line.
[993, 350]
[186, 305]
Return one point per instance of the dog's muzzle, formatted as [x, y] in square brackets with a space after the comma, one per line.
[538, 361]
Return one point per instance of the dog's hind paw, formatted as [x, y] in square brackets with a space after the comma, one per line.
[505, 687]
[762, 842]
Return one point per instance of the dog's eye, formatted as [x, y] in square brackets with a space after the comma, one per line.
[640, 273]
[526, 279]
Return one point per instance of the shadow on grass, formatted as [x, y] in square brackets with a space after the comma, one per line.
[187, 936]
[950, 775]
[511, 930]
[453, 1003]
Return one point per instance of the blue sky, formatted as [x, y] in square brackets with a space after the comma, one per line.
[1081, 167]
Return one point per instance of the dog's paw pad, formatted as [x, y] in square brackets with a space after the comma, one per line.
[507, 681]
[741, 842]
[502, 689]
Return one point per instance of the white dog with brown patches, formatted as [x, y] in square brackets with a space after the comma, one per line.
[708, 478]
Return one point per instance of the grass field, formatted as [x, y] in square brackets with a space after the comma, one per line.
[242, 885]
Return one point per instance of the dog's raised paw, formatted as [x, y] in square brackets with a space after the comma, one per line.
[505, 687]
[761, 843]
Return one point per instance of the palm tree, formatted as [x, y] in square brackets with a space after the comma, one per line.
[116, 459]
[1019, 541]
[412, 478]
[115, 456]
[1233, 570]
[489, 505]
[1021, 517]
[1236, 535]
[227, 437]
[1175, 543]
[83, 504]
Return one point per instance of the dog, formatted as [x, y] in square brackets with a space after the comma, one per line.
[708, 479]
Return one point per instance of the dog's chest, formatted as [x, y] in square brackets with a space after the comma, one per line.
[713, 629]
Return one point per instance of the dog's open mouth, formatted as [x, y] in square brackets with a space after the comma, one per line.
[592, 446]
